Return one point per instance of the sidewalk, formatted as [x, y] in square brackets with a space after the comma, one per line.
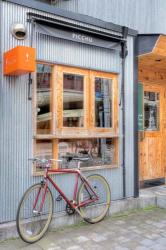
[143, 229]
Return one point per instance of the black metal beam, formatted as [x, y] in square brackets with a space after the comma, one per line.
[71, 26]
[135, 104]
[47, 8]
[123, 55]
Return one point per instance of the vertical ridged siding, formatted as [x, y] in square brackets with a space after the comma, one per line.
[16, 142]
[146, 16]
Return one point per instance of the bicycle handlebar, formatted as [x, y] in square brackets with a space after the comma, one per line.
[43, 161]
[46, 163]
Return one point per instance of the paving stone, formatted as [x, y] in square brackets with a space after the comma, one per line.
[54, 248]
[137, 231]
[122, 239]
[158, 247]
[142, 248]
[121, 248]
[162, 241]
[81, 239]
[31, 247]
[75, 247]
[147, 242]
[97, 237]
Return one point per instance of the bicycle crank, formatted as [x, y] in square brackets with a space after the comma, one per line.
[69, 209]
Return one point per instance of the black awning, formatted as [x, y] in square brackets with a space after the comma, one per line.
[78, 36]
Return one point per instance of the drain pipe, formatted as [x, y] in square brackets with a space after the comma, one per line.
[123, 55]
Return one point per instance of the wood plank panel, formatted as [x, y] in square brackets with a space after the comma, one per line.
[152, 159]
[160, 47]
[152, 76]
[153, 61]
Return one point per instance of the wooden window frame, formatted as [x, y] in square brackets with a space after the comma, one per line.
[114, 129]
[56, 107]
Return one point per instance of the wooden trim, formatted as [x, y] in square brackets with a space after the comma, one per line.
[115, 104]
[51, 122]
[54, 99]
[83, 169]
[55, 152]
[116, 154]
[75, 71]
[114, 78]
[34, 101]
[59, 98]
[75, 135]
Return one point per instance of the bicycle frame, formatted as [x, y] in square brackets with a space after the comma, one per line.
[73, 204]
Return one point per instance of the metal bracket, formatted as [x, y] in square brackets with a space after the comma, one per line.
[124, 51]
[29, 87]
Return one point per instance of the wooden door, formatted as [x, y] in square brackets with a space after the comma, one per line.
[152, 141]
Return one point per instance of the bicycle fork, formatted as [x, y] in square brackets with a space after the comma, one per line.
[43, 193]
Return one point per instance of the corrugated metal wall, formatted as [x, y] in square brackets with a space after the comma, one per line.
[146, 16]
[16, 112]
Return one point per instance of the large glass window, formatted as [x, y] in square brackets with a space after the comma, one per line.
[103, 102]
[101, 151]
[73, 100]
[76, 115]
[43, 99]
[151, 110]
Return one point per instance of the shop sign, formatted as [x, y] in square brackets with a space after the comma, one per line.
[19, 60]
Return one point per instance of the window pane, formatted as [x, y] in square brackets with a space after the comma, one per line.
[103, 102]
[73, 100]
[151, 110]
[43, 150]
[100, 151]
[43, 99]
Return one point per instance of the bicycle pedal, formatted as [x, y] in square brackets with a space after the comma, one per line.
[59, 198]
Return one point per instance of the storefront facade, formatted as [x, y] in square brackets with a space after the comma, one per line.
[81, 99]
[148, 18]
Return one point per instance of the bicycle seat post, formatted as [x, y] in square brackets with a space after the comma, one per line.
[47, 164]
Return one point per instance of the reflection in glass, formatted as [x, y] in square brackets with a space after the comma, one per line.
[43, 150]
[43, 99]
[73, 100]
[103, 102]
[100, 151]
[151, 111]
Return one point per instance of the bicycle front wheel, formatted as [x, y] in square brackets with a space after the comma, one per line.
[34, 213]
[94, 211]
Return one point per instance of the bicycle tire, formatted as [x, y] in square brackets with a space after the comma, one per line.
[95, 211]
[32, 226]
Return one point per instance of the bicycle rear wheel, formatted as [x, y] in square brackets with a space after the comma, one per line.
[95, 211]
[31, 222]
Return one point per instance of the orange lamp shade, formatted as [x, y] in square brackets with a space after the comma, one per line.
[20, 60]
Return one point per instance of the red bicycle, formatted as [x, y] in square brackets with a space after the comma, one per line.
[91, 200]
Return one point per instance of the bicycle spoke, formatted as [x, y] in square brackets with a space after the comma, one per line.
[95, 210]
[31, 222]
